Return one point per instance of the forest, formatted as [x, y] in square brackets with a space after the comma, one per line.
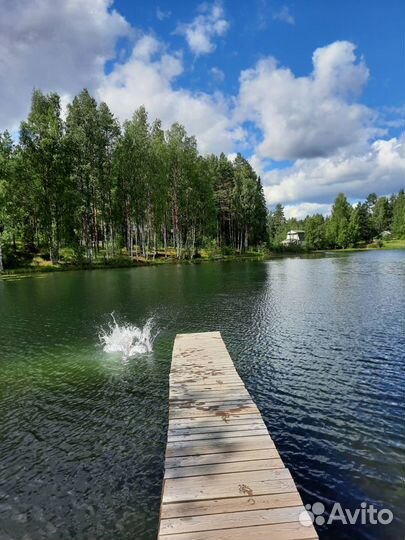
[80, 187]
[367, 223]
[87, 187]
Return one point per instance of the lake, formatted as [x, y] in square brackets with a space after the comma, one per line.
[319, 343]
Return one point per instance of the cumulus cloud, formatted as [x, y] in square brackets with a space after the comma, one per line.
[64, 46]
[312, 116]
[204, 115]
[380, 169]
[302, 210]
[329, 141]
[54, 46]
[284, 15]
[205, 27]
[334, 143]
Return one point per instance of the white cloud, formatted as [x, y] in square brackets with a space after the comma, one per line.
[202, 31]
[63, 47]
[380, 169]
[284, 15]
[54, 46]
[232, 156]
[334, 142]
[204, 115]
[392, 117]
[312, 116]
[315, 121]
[302, 210]
[162, 15]
[218, 74]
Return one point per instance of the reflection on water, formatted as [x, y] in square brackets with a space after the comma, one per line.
[319, 343]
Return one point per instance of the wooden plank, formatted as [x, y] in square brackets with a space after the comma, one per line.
[207, 421]
[216, 410]
[225, 457]
[223, 428]
[278, 531]
[213, 387]
[238, 466]
[215, 446]
[206, 376]
[224, 478]
[216, 405]
[220, 394]
[212, 398]
[222, 506]
[218, 435]
[232, 519]
[228, 485]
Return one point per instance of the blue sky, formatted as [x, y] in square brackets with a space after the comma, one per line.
[377, 28]
[312, 92]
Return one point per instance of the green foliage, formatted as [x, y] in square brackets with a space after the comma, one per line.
[398, 216]
[87, 190]
[337, 228]
[43, 153]
[315, 233]
[83, 189]
[381, 215]
[369, 223]
[277, 226]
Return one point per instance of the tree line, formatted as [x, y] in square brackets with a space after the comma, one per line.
[370, 221]
[102, 189]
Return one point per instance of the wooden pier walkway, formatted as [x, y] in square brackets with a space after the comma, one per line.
[224, 479]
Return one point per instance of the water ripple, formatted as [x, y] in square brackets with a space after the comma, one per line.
[318, 342]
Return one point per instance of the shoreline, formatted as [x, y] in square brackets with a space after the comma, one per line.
[26, 271]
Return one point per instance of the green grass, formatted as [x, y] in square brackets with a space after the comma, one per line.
[386, 244]
[40, 265]
[394, 244]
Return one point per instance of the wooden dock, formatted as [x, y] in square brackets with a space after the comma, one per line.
[224, 479]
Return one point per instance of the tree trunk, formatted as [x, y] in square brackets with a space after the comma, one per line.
[1, 257]
[193, 242]
[105, 240]
[165, 240]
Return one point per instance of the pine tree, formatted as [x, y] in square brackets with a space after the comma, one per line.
[82, 139]
[381, 215]
[41, 137]
[315, 232]
[337, 230]
[398, 216]
[6, 154]
[276, 225]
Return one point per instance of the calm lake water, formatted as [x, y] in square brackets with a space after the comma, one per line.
[318, 342]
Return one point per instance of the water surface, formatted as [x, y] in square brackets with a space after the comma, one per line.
[318, 342]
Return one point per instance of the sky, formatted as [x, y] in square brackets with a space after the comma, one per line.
[312, 92]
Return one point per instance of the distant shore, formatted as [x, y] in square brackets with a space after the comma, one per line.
[41, 265]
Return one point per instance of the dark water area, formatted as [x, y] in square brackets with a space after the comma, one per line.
[319, 343]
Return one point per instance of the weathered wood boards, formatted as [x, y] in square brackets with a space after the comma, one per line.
[224, 479]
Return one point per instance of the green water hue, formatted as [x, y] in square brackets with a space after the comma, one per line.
[82, 433]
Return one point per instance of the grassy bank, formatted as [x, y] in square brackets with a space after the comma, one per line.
[385, 245]
[394, 244]
[42, 265]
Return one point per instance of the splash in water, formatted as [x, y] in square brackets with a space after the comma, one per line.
[126, 338]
